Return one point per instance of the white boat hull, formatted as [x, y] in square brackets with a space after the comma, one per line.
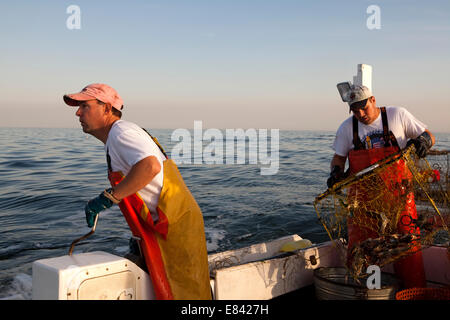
[257, 272]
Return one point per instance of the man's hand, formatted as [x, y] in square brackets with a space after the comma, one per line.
[335, 175]
[96, 205]
[422, 144]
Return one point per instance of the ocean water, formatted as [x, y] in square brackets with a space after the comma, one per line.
[48, 175]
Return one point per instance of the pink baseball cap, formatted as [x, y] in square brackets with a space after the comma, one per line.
[98, 91]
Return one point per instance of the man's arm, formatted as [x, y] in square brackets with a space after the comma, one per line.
[338, 161]
[337, 169]
[141, 174]
[422, 143]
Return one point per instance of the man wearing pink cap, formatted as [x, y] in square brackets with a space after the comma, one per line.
[147, 186]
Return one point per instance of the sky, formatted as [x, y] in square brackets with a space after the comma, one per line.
[228, 63]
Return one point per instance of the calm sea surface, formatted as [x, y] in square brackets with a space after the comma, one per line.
[48, 175]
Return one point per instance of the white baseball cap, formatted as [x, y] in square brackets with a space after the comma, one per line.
[356, 96]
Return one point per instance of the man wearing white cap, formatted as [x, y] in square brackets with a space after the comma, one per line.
[150, 191]
[369, 135]
[368, 120]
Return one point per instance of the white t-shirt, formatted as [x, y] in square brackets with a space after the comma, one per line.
[128, 144]
[403, 125]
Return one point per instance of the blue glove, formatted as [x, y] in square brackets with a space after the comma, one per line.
[94, 206]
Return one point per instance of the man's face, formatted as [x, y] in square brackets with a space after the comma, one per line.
[92, 115]
[367, 114]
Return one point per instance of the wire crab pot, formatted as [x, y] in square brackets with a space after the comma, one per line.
[374, 201]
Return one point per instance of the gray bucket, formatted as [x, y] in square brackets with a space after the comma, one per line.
[336, 284]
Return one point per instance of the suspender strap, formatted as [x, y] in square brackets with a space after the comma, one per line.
[356, 141]
[108, 158]
[386, 136]
[157, 143]
[108, 161]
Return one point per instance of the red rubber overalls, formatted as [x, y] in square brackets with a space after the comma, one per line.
[409, 269]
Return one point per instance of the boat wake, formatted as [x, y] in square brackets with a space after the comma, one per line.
[20, 288]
